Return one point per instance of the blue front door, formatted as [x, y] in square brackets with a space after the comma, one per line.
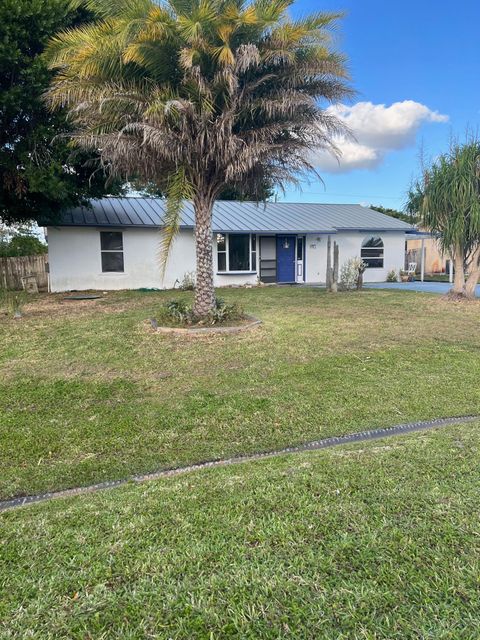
[285, 258]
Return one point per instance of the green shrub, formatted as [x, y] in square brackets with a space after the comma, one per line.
[350, 274]
[179, 312]
[188, 281]
[224, 312]
[392, 276]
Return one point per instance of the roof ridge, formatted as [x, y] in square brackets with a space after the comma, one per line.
[254, 202]
[233, 216]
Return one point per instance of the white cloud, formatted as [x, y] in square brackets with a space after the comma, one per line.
[378, 129]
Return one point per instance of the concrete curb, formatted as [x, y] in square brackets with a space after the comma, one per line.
[192, 331]
[326, 443]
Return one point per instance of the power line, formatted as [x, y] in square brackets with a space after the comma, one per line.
[348, 195]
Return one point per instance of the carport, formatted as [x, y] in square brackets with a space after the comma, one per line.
[422, 236]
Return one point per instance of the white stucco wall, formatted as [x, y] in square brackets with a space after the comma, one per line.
[394, 251]
[315, 258]
[349, 246]
[75, 259]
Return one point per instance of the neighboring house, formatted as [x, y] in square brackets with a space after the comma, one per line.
[115, 243]
[434, 260]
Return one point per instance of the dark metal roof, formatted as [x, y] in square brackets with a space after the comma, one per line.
[229, 216]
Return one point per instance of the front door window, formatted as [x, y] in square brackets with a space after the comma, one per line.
[300, 259]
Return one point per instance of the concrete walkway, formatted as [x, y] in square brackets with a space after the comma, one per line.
[439, 288]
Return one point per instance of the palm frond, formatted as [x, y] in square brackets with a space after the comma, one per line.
[124, 9]
[179, 189]
[448, 197]
[196, 95]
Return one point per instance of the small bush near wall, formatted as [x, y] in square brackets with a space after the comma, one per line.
[392, 276]
[188, 281]
[350, 274]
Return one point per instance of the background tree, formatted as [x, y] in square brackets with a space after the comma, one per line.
[38, 175]
[22, 244]
[407, 216]
[262, 192]
[447, 198]
[200, 95]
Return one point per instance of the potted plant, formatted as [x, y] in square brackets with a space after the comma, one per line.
[404, 277]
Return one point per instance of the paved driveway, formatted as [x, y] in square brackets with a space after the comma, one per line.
[423, 287]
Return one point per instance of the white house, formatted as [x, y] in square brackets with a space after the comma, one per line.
[114, 244]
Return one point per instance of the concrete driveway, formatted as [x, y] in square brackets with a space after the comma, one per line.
[422, 287]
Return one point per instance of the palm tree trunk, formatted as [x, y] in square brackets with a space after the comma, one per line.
[204, 291]
[474, 274]
[459, 276]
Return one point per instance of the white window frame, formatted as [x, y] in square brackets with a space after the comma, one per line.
[380, 257]
[102, 251]
[251, 252]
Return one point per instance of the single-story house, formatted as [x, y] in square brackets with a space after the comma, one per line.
[114, 243]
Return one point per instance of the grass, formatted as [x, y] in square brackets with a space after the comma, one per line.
[435, 277]
[375, 541]
[88, 392]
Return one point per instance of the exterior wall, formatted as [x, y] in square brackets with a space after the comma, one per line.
[315, 258]
[349, 245]
[222, 280]
[75, 259]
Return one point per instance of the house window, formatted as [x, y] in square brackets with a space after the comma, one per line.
[111, 246]
[372, 252]
[236, 252]
[299, 248]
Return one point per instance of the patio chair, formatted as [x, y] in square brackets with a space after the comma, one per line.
[412, 268]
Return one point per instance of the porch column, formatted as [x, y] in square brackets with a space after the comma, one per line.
[422, 261]
[450, 270]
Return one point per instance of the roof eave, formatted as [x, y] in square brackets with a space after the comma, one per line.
[366, 229]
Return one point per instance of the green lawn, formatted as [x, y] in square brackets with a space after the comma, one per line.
[379, 541]
[89, 392]
[435, 277]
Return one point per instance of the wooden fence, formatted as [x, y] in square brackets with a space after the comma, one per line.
[12, 270]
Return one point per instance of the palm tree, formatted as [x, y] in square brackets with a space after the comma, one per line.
[199, 95]
[447, 197]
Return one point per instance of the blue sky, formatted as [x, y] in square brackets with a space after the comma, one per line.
[421, 60]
